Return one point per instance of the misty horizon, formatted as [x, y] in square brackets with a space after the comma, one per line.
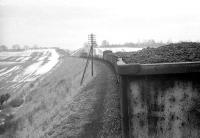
[66, 24]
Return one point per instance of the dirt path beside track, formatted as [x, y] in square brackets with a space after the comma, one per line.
[104, 120]
[96, 108]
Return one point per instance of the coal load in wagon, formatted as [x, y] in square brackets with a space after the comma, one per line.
[179, 52]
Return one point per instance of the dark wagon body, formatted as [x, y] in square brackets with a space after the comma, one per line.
[160, 100]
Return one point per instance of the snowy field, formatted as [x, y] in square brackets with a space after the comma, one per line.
[99, 51]
[18, 68]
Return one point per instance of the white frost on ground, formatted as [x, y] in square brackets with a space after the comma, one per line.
[22, 59]
[27, 74]
[25, 59]
[10, 70]
[52, 61]
[8, 63]
[42, 61]
[1, 70]
[40, 67]
[21, 56]
[19, 59]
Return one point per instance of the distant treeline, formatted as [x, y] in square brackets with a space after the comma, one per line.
[17, 47]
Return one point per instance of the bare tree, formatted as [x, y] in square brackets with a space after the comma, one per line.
[16, 47]
[104, 43]
[35, 46]
[26, 47]
[3, 48]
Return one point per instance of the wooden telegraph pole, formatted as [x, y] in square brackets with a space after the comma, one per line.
[92, 43]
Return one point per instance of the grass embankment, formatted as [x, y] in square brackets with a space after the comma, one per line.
[57, 106]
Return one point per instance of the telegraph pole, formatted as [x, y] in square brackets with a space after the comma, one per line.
[92, 42]
[86, 66]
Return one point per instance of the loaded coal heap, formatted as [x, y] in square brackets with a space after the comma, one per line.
[178, 52]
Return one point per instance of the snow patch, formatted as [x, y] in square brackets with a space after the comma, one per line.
[40, 67]
[53, 60]
[42, 61]
[10, 70]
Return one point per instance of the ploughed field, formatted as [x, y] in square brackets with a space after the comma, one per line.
[22, 67]
[179, 52]
[48, 101]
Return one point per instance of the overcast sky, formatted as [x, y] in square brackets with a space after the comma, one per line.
[67, 23]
